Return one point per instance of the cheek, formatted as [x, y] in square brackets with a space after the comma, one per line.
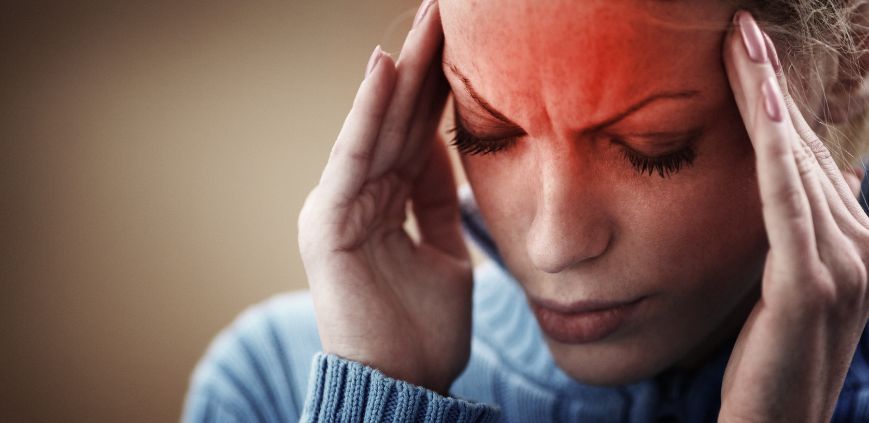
[501, 183]
[711, 224]
[504, 187]
[702, 233]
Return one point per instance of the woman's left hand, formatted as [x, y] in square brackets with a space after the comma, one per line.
[792, 355]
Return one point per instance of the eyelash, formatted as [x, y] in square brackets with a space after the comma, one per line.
[665, 166]
[470, 145]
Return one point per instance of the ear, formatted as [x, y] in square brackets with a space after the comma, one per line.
[848, 96]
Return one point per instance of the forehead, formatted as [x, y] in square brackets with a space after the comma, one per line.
[586, 57]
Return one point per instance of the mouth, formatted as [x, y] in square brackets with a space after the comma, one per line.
[583, 321]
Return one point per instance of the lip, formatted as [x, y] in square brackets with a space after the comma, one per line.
[583, 321]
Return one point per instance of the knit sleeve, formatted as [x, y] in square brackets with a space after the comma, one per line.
[349, 391]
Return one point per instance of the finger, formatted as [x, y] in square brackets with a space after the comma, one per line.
[425, 121]
[422, 44]
[846, 204]
[828, 212]
[850, 222]
[436, 204]
[786, 210]
[854, 178]
[828, 233]
[351, 154]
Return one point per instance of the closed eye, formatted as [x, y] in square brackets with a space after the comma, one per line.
[469, 144]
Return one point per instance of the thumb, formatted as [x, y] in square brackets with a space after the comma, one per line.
[436, 203]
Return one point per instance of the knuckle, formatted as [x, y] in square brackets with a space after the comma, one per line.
[815, 145]
[819, 287]
[805, 161]
[855, 269]
[810, 138]
[790, 103]
[342, 148]
[310, 203]
[304, 214]
[851, 276]
[791, 200]
[777, 149]
[820, 152]
[307, 223]
[838, 283]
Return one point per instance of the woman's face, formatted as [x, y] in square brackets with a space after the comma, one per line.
[578, 94]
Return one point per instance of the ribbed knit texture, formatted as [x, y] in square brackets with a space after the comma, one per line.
[268, 367]
[347, 391]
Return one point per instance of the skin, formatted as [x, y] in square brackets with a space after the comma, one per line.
[760, 238]
[572, 219]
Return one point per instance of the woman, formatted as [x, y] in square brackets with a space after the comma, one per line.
[673, 241]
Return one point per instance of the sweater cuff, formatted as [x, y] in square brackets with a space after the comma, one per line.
[349, 391]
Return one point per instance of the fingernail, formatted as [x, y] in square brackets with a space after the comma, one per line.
[772, 99]
[773, 56]
[372, 61]
[751, 36]
[420, 13]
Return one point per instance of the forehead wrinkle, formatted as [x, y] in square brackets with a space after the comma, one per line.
[542, 69]
[619, 70]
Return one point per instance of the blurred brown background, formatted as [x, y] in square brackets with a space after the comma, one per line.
[154, 159]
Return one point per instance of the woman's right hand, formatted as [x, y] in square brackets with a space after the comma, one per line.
[381, 298]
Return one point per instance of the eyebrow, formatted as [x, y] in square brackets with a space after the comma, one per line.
[479, 100]
[665, 95]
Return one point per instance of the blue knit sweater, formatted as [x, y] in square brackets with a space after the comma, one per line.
[268, 367]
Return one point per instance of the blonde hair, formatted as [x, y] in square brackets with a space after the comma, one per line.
[808, 33]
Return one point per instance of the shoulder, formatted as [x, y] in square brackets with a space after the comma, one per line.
[257, 368]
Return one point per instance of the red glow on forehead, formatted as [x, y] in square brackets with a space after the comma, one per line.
[582, 62]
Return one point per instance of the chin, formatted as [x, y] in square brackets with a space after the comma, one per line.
[607, 364]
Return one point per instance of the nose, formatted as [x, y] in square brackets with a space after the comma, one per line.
[571, 224]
